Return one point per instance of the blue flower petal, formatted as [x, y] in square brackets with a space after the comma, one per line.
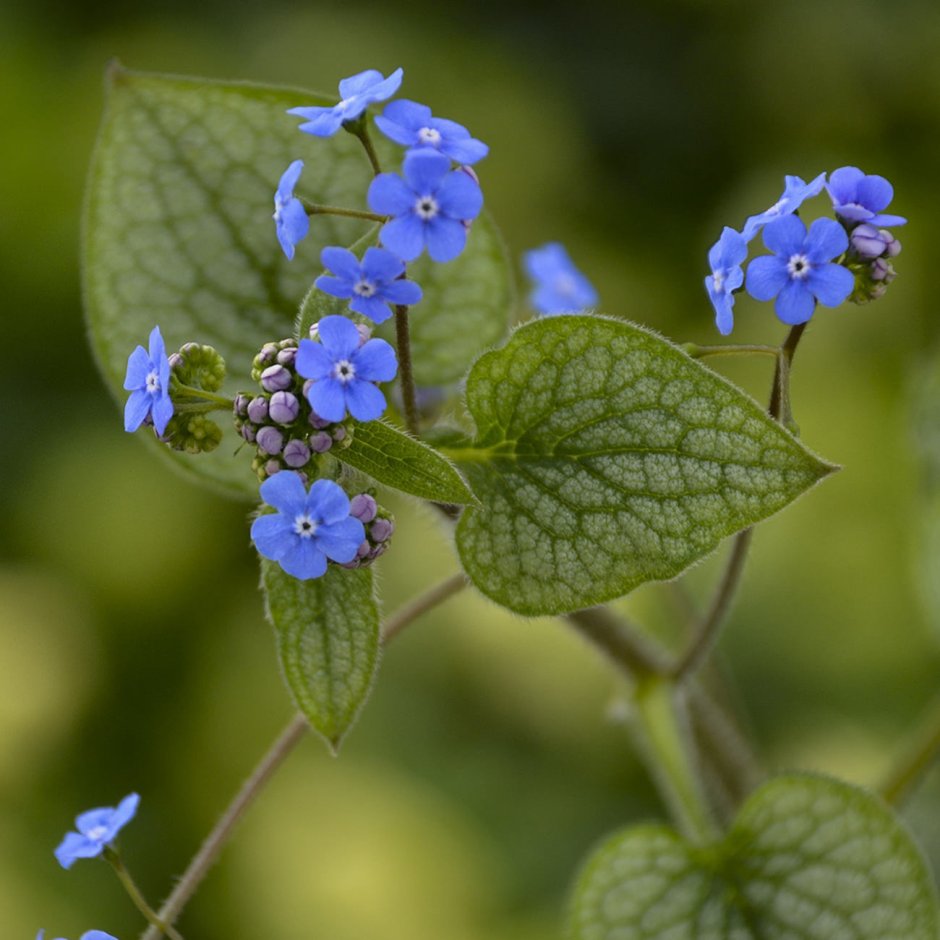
[826, 240]
[446, 238]
[136, 409]
[459, 196]
[341, 261]
[306, 561]
[289, 178]
[375, 308]
[339, 337]
[831, 284]
[403, 292]
[334, 286]
[138, 368]
[794, 304]
[874, 192]
[364, 400]
[285, 492]
[360, 82]
[381, 265]
[327, 397]
[884, 221]
[75, 846]
[327, 502]
[375, 361]
[313, 361]
[273, 533]
[293, 224]
[785, 236]
[843, 184]
[723, 303]
[161, 412]
[766, 277]
[424, 170]
[466, 152]
[341, 540]
[389, 194]
[405, 235]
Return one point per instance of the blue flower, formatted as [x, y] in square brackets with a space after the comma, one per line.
[430, 206]
[148, 381]
[356, 93]
[794, 193]
[308, 528]
[725, 258]
[290, 217]
[343, 372]
[860, 198]
[96, 829]
[799, 273]
[413, 125]
[373, 284]
[87, 935]
[557, 285]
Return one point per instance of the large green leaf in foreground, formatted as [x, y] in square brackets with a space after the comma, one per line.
[606, 457]
[808, 858]
[178, 233]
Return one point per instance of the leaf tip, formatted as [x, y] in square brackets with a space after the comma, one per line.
[114, 72]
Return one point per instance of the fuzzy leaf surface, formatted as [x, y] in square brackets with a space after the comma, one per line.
[397, 460]
[605, 457]
[327, 642]
[808, 858]
[178, 233]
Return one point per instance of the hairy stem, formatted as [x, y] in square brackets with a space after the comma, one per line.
[159, 925]
[405, 373]
[285, 743]
[313, 208]
[915, 761]
[701, 352]
[360, 130]
[663, 735]
[614, 637]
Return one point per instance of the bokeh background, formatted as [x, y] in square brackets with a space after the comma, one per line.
[133, 652]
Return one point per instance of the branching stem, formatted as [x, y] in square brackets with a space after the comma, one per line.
[285, 743]
[159, 925]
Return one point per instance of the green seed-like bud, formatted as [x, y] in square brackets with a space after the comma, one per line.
[199, 366]
[192, 433]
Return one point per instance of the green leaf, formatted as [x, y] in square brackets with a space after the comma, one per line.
[809, 858]
[398, 460]
[605, 457]
[178, 232]
[328, 642]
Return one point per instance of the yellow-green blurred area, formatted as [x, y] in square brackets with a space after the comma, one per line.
[133, 650]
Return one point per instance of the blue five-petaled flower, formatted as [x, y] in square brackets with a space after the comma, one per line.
[344, 372]
[557, 285]
[148, 381]
[371, 285]
[794, 193]
[308, 528]
[430, 206]
[96, 829]
[725, 259]
[413, 125]
[290, 217]
[799, 272]
[356, 94]
[860, 198]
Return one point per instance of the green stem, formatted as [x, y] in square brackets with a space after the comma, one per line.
[159, 925]
[779, 406]
[916, 759]
[701, 352]
[405, 373]
[360, 130]
[316, 209]
[286, 741]
[618, 641]
[662, 732]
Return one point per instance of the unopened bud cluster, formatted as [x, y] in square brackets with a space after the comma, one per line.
[193, 368]
[870, 251]
[379, 525]
[278, 419]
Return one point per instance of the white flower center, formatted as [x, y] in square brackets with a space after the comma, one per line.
[97, 833]
[344, 371]
[153, 382]
[426, 208]
[346, 103]
[564, 284]
[798, 267]
[364, 288]
[429, 136]
[776, 207]
[718, 281]
[304, 526]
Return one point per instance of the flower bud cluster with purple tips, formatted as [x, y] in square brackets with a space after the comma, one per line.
[379, 525]
[287, 433]
[846, 258]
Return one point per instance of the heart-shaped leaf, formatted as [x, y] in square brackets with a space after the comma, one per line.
[809, 858]
[605, 457]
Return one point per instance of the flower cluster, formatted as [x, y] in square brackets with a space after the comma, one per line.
[846, 258]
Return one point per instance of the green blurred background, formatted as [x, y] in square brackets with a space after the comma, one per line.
[133, 652]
